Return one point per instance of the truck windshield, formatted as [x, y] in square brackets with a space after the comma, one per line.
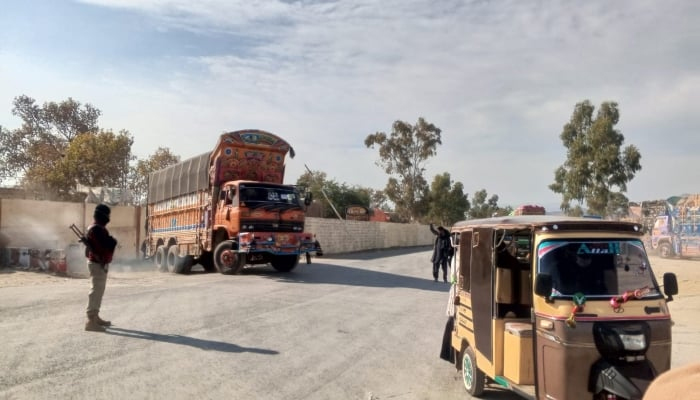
[258, 195]
[596, 268]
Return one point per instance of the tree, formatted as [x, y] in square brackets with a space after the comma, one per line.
[33, 155]
[597, 168]
[139, 173]
[483, 208]
[402, 156]
[378, 199]
[340, 195]
[447, 202]
[94, 159]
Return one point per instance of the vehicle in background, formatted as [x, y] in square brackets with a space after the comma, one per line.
[228, 208]
[675, 230]
[556, 307]
[529, 209]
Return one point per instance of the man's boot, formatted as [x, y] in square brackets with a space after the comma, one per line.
[103, 322]
[92, 325]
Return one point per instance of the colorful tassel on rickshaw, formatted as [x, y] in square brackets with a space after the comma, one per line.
[579, 303]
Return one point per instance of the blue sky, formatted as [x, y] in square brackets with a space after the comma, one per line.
[500, 78]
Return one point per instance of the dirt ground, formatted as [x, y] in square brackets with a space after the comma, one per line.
[686, 346]
[687, 271]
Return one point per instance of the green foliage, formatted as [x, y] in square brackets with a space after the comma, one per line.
[447, 201]
[483, 206]
[96, 159]
[597, 168]
[402, 156]
[340, 195]
[60, 145]
[138, 173]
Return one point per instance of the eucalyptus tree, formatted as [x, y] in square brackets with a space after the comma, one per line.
[597, 167]
[402, 155]
[447, 201]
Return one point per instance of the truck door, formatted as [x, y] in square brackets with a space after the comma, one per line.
[225, 204]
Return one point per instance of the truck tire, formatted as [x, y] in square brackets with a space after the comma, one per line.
[206, 260]
[665, 250]
[226, 259]
[175, 263]
[284, 263]
[187, 264]
[161, 258]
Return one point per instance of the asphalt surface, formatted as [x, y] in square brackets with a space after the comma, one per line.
[365, 326]
[368, 326]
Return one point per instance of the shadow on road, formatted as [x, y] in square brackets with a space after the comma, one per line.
[327, 273]
[379, 253]
[187, 341]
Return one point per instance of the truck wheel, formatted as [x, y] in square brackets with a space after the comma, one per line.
[472, 376]
[665, 250]
[174, 262]
[226, 259]
[161, 258]
[284, 263]
[187, 263]
[206, 260]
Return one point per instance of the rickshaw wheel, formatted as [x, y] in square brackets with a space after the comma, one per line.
[472, 376]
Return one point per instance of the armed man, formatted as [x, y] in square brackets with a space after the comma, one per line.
[99, 251]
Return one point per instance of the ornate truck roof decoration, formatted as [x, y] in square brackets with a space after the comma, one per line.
[250, 154]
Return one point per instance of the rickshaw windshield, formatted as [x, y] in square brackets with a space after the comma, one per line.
[596, 268]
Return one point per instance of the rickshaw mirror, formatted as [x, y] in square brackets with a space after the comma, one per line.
[670, 285]
[543, 285]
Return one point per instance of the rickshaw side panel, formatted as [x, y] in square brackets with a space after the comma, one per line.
[482, 293]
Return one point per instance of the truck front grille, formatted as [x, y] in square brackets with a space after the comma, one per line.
[268, 226]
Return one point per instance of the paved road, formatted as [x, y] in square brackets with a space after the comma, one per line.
[367, 326]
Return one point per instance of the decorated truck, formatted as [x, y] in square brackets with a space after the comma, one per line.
[676, 226]
[228, 208]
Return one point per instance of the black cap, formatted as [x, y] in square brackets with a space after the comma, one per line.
[101, 208]
[101, 213]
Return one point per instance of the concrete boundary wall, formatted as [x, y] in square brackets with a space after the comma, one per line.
[42, 224]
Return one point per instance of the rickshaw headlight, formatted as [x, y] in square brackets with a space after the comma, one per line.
[633, 342]
[618, 342]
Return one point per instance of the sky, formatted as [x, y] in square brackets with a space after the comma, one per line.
[499, 78]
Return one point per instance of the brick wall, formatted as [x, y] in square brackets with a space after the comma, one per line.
[338, 236]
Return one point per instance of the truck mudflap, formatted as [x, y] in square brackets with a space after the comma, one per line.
[277, 243]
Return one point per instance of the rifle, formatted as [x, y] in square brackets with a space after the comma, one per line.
[83, 239]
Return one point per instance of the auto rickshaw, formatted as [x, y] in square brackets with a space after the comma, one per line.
[556, 307]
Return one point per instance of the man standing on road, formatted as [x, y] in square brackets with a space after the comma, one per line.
[441, 251]
[99, 252]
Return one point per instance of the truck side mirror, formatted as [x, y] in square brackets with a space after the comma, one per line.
[670, 285]
[309, 198]
[543, 285]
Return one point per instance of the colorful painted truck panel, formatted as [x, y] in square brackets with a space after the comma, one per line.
[676, 227]
[228, 208]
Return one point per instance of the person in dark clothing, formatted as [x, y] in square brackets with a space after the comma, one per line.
[99, 251]
[442, 249]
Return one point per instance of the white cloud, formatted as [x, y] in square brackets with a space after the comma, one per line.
[500, 78]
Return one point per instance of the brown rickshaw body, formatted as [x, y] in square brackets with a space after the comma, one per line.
[544, 346]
